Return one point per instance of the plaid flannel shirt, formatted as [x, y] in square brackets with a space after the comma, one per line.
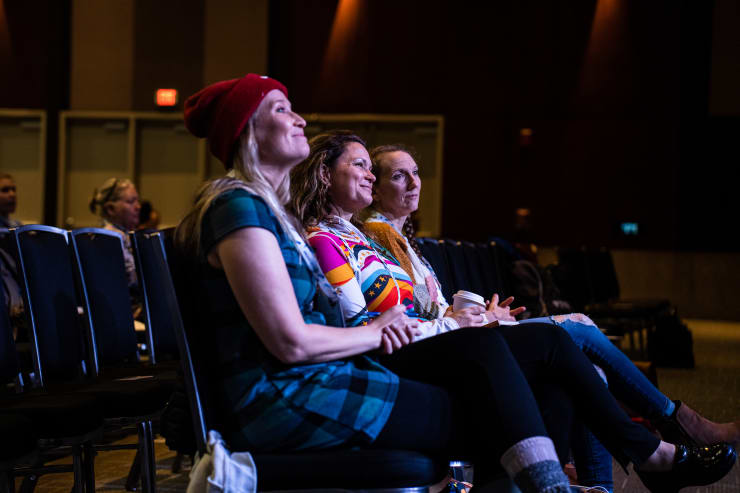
[264, 404]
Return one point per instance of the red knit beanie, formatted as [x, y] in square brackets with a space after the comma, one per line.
[221, 111]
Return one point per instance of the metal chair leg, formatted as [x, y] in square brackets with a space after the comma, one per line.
[134, 474]
[29, 483]
[88, 462]
[148, 466]
[79, 471]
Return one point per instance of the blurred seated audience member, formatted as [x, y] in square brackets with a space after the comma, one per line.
[117, 204]
[8, 201]
[8, 267]
[148, 216]
[13, 296]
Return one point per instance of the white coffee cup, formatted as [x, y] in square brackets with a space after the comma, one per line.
[463, 299]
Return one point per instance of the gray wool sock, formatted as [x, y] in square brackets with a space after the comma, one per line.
[534, 466]
[543, 477]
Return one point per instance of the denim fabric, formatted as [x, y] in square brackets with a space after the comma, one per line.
[592, 459]
[626, 382]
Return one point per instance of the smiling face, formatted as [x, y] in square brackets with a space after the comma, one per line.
[351, 180]
[279, 131]
[124, 210]
[8, 200]
[396, 192]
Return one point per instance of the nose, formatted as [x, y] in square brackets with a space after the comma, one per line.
[299, 121]
[370, 176]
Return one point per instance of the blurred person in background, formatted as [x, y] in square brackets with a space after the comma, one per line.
[117, 204]
[148, 216]
[8, 201]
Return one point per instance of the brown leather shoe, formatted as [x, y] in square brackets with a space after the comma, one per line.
[688, 427]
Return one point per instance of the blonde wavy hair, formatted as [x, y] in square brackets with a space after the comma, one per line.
[310, 182]
[245, 174]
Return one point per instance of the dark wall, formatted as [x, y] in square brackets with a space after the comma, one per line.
[34, 70]
[613, 91]
[34, 54]
[168, 49]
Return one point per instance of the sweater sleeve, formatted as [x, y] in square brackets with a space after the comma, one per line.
[436, 327]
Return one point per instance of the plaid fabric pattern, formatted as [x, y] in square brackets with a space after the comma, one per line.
[265, 404]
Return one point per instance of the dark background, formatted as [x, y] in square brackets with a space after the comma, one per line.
[617, 94]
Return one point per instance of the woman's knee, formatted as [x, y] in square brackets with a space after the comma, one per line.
[578, 318]
[580, 328]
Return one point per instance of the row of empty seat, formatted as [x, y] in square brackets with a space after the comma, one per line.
[86, 378]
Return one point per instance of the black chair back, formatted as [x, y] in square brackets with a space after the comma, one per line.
[475, 269]
[174, 299]
[432, 250]
[574, 279]
[458, 266]
[101, 270]
[51, 302]
[489, 270]
[159, 321]
[504, 264]
[603, 275]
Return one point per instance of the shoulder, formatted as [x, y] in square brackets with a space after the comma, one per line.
[377, 226]
[236, 209]
[318, 235]
[323, 242]
[241, 203]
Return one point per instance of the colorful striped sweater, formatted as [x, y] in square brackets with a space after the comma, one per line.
[367, 276]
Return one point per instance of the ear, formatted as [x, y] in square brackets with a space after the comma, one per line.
[325, 174]
[108, 209]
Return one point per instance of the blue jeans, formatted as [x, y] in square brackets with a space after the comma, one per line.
[626, 382]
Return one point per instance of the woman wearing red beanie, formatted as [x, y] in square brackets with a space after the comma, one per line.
[280, 376]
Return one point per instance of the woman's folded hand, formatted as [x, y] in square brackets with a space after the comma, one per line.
[396, 329]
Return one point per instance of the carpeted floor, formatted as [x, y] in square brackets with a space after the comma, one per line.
[713, 388]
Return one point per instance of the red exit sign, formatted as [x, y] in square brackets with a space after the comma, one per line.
[166, 97]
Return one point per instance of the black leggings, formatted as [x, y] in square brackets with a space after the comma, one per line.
[470, 396]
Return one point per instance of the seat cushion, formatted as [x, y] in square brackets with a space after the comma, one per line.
[164, 375]
[129, 397]
[56, 416]
[350, 469]
[17, 436]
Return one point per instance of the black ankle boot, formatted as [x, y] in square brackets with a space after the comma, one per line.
[692, 466]
[671, 430]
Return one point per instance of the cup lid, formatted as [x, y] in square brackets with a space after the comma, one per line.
[467, 295]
